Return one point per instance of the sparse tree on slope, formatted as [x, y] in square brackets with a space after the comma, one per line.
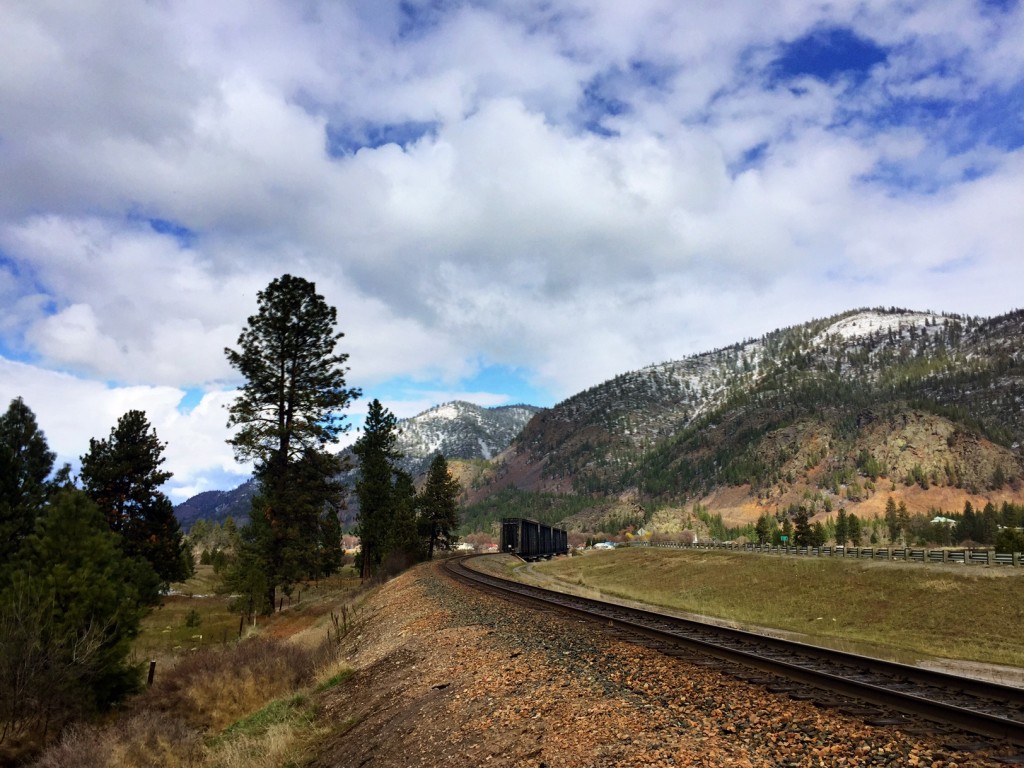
[122, 476]
[439, 507]
[25, 463]
[288, 410]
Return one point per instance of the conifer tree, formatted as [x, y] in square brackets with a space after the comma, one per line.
[892, 522]
[25, 463]
[802, 535]
[122, 476]
[854, 529]
[842, 527]
[287, 412]
[375, 488]
[439, 507]
[69, 607]
[765, 528]
[405, 543]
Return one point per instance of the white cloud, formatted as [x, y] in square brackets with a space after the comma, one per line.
[723, 202]
[71, 410]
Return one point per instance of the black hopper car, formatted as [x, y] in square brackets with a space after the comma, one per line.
[532, 540]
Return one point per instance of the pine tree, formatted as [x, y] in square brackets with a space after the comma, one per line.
[802, 535]
[375, 487]
[903, 519]
[122, 476]
[287, 413]
[892, 521]
[25, 463]
[439, 507]
[842, 527]
[405, 542]
[70, 605]
[855, 530]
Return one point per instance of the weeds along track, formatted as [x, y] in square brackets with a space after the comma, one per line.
[881, 692]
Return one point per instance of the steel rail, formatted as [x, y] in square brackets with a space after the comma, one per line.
[976, 706]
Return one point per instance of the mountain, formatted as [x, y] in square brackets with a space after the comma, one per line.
[927, 405]
[217, 506]
[458, 430]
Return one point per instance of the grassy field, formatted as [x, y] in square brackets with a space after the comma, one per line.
[968, 613]
[194, 616]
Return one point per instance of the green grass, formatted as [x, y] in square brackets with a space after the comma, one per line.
[165, 630]
[291, 710]
[958, 612]
[335, 680]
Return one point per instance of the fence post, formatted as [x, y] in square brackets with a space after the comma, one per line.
[991, 557]
[152, 672]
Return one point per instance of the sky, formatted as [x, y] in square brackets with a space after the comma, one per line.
[506, 201]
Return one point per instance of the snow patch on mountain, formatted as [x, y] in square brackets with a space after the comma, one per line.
[870, 322]
[459, 430]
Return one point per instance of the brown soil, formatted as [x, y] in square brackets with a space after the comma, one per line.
[448, 676]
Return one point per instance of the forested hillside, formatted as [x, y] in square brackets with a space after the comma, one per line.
[838, 409]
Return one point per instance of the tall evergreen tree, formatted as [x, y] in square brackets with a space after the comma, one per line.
[765, 528]
[802, 535]
[405, 542]
[375, 488]
[892, 522]
[842, 527]
[122, 476]
[286, 414]
[854, 529]
[439, 507]
[25, 463]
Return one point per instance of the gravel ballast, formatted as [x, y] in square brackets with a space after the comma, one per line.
[446, 675]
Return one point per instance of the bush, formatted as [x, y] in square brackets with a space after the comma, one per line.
[1010, 540]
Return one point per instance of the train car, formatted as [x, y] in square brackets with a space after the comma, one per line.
[532, 540]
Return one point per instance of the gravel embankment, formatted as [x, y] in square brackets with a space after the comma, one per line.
[448, 676]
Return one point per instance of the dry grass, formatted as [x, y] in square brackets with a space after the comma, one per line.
[956, 612]
[241, 704]
[215, 688]
[145, 740]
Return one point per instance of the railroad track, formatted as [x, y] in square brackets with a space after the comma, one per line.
[881, 692]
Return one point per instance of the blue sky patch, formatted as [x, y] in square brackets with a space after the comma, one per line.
[190, 400]
[347, 140]
[185, 236]
[828, 53]
[998, 6]
[751, 158]
[599, 99]
[506, 385]
[419, 16]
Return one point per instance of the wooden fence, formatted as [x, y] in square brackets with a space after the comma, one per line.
[906, 554]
